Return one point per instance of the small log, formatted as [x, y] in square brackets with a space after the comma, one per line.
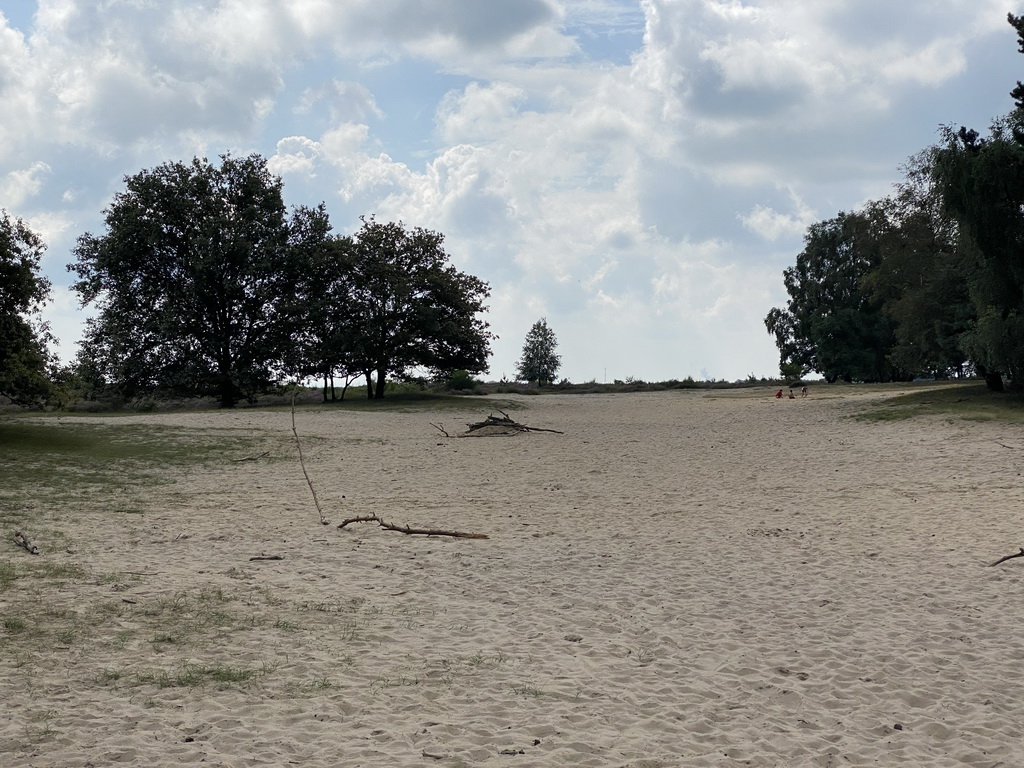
[24, 541]
[1008, 557]
[412, 531]
[267, 557]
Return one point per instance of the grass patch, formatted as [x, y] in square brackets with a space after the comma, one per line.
[100, 465]
[972, 402]
[413, 402]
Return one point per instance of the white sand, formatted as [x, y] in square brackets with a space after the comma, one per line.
[678, 580]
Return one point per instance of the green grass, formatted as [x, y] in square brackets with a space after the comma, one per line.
[411, 402]
[66, 462]
[973, 402]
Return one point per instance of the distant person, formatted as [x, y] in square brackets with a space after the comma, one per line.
[778, 394]
[791, 395]
[803, 391]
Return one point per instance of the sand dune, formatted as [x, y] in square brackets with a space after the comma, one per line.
[678, 580]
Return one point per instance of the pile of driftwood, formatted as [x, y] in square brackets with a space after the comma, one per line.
[495, 426]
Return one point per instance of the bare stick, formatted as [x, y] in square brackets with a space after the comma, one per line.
[1008, 557]
[439, 427]
[253, 458]
[412, 531]
[302, 463]
[267, 557]
[24, 541]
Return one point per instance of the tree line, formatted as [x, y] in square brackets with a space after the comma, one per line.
[926, 282]
[203, 283]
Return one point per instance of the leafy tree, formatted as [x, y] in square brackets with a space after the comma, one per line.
[981, 181]
[831, 325]
[23, 292]
[920, 278]
[325, 337]
[405, 307]
[192, 279]
[539, 362]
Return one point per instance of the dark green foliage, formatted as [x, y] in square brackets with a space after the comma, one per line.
[539, 361]
[920, 278]
[461, 381]
[982, 185]
[191, 279]
[405, 307]
[831, 324]
[23, 337]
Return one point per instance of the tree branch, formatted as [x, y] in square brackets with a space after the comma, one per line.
[1008, 557]
[412, 531]
[302, 463]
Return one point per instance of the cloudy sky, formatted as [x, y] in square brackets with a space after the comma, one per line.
[639, 173]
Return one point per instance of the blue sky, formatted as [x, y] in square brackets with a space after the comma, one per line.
[639, 173]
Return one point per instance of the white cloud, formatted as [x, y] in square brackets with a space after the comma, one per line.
[645, 199]
[19, 185]
[772, 225]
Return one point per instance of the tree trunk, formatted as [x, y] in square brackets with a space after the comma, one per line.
[334, 395]
[228, 394]
[325, 387]
[381, 381]
[993, 379]
[369, 385]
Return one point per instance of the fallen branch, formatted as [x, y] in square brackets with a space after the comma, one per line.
[302, 463]
[439, 427]
[412, 531]
[1008, 557]
[501, 425]
[24, 541]
[267, 557]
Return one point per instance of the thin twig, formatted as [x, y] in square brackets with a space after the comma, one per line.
[302, 463]
[253, 458]
[440, 428]
[1008, 557]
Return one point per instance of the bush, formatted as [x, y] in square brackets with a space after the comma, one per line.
[461, 381]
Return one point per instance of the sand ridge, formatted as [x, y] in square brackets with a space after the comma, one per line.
[678, 580]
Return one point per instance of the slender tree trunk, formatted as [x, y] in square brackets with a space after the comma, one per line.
[381, 381]
[325, 387]
[334, 396]
[369, 385]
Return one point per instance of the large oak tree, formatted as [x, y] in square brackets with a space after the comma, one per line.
[407, 307]
[192, 278]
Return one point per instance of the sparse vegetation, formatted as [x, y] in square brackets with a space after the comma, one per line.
[964, 401]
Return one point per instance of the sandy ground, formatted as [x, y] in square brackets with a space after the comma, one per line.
[678, 580]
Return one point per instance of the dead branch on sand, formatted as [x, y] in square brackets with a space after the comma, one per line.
[494, 426]
[302, 463]
[252, 458]
[24, 541]
[1008, 557]
[366, 518]
[412, 531]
